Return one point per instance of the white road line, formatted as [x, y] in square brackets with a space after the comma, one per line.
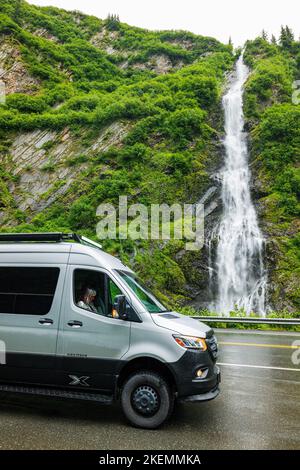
[256, 332]
[260, 345]
[257, 367]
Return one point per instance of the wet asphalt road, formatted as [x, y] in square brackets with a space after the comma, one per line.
[258, 408]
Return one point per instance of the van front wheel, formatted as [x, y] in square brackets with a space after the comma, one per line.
[146, 400]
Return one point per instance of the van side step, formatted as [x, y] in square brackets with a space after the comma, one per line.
[56, 393]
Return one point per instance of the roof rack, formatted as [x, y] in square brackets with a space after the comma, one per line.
[38, 237]
[56, 237]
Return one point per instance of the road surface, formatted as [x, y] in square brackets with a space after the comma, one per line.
[258, 408]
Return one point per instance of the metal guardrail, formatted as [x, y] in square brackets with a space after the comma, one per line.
[250, 320]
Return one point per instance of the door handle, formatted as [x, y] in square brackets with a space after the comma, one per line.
[46, 321]
[75, 324]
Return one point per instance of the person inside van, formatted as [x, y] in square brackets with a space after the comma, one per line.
[87, 301]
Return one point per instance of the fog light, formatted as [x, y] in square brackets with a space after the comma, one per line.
[201, 373]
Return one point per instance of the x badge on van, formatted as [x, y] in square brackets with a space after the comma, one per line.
[79, 380]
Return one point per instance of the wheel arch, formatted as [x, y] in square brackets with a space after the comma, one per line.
[146, 363]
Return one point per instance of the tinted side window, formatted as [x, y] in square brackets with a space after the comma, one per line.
[113, 291]
[90, 291]
[94, 291]
[27, 291]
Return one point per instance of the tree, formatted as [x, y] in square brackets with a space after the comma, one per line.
[286, 38]
[230, 43]
[264, 35]
[273, 40]
[112, 22]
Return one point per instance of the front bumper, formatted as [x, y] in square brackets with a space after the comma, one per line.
[188, 384]
[201, 397]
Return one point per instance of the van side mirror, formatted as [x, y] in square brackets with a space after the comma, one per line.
[120, 306]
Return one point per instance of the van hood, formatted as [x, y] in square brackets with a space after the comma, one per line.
[181, 324]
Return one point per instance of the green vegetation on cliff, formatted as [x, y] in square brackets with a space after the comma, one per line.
[164, 88]
[274, 122]
[153, 101]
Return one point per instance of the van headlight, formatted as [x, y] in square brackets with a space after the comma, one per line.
[191, 342]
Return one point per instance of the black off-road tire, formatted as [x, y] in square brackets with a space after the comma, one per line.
[149, 386]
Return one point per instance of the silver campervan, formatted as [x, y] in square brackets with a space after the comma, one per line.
[77, 323]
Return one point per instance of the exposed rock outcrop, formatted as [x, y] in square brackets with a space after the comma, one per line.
[44, 163]
[13, 71]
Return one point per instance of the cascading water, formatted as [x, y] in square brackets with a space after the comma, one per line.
[240, 273]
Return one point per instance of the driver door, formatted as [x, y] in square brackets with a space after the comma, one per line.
[90, 345]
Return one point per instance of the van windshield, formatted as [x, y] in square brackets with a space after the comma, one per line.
[142, 292]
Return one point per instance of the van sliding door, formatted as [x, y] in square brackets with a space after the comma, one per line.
[30, 301]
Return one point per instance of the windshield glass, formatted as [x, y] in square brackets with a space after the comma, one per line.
[142, 292]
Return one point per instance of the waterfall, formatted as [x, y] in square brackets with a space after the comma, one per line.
[239, 267]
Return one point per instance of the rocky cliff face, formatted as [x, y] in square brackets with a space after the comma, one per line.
[13, 72]
[98, 108]
[45, 167]
[44, 164]
[273, 123]
[283, 273]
